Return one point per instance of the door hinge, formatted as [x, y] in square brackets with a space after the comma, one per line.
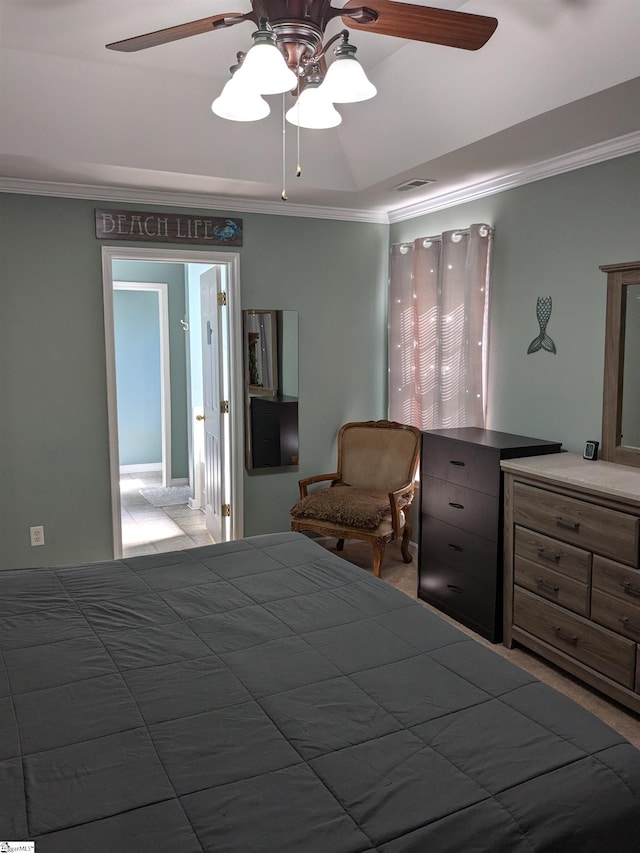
[224, 407]
[226, 510]
[222, 299]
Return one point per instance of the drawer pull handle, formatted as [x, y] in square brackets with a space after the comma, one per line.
[456, 462]
[454, 588]
[460, 548]
[568, 638]
[570, 525]
[553, 556]
[629, 588]
[629, 625]
[456, 506]
[541, 582]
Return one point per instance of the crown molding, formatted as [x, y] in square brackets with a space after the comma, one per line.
[189, 200]
[628, 144]
[618, 147]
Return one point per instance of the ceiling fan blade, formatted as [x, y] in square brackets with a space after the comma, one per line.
[182, 31]
[422, 23]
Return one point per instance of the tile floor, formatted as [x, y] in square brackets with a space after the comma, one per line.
[147, 529]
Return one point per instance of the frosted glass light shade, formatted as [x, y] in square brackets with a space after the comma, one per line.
[238, 102]
[346, 83]
[265, 70]
[313, 110]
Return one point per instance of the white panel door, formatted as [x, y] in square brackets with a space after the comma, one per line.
[215, 487]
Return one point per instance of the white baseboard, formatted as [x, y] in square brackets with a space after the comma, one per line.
[179, 481]
[141, 468]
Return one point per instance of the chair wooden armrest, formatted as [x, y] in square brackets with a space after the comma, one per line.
[379, 461]
[397, 503]
[319, 478]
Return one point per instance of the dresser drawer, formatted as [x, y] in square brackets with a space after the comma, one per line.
[266, 413]
[620, 616]
[616, 597]
[552, 585]
[444, 543]
[465, 508]
[461, 463]
[459, 594]
[565, 559]
[594, 527]
[597, 647]
[616, 579]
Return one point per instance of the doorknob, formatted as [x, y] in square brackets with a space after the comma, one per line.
[200, 417]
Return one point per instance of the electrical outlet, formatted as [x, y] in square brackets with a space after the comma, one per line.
[37, 535]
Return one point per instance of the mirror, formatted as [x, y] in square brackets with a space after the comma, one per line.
[270, 354]
[621, 397]
[261, 353]
[630, 427]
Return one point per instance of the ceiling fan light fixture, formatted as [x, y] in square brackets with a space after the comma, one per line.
[345, 81]
[237, 102]
[264, 67]
[313, 110]
[292, 48]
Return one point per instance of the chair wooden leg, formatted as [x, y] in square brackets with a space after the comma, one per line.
[340, 545]
[407, 556]
[378, 554]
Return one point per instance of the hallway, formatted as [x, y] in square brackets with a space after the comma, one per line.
[147, 529]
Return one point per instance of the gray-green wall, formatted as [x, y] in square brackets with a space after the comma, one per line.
[551, 237]
[54, 465]
[136, 335]
[174, 275]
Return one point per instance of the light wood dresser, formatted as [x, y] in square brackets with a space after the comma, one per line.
[572, 568]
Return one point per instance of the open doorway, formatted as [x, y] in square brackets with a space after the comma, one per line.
[177, 471]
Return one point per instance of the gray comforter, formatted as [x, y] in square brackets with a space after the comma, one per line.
[264, 695]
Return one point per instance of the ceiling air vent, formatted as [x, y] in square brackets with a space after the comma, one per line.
[414, 184]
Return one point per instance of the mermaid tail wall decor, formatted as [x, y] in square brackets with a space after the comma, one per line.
[543, 313]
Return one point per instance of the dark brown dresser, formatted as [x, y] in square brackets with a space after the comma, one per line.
[461, 521]
[274, 431]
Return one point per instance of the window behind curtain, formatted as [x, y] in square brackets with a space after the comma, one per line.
[438, 323]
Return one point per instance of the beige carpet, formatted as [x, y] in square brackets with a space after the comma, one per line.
[405, 578]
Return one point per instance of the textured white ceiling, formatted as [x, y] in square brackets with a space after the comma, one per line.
[557, 77]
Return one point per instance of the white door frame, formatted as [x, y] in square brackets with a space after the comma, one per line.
[162, 289]
[231, 284]
[214, 371]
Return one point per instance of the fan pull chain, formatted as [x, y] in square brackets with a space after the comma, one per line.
[298, 167]
[283, 196]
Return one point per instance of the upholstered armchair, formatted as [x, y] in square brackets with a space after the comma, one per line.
[369, 495]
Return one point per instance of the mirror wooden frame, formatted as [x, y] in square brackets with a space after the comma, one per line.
[619, 276]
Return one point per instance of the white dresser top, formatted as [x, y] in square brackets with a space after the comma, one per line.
[607, 478]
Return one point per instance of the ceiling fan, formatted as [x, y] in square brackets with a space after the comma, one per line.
[288, 53]
[299, 25]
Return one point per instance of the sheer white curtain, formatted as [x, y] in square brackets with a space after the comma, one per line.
[438, 323]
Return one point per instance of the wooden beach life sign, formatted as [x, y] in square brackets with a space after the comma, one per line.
[167, 227]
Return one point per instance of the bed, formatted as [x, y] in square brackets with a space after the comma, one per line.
[266, 695]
